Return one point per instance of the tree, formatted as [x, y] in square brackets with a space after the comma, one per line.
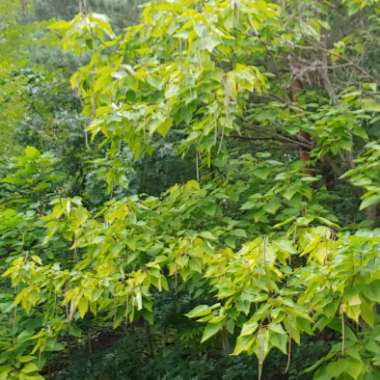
[276, 107]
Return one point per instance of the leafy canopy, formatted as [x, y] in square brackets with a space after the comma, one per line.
[256, 236]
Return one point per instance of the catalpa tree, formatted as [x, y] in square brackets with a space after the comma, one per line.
[276, 106]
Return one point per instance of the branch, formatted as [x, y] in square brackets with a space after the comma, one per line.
[300, 140]
[277, 138]
[349, 62]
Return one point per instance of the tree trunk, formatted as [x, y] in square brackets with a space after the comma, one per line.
[371, 213]
[294, 90]
[83, 7]
[24, 7]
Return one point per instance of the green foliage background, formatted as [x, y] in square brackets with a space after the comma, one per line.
[189, 189]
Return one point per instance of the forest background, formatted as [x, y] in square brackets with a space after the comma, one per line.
[189, 189]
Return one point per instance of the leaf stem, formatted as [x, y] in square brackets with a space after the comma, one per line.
[343, 334]
[289, 355]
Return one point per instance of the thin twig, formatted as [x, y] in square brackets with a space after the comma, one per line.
[197, 165]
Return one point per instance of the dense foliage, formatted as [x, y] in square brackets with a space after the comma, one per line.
[189, 189]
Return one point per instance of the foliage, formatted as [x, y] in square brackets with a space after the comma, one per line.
[213, 206]
[122, 12]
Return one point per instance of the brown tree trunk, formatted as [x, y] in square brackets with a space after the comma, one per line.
[371, 213]
[294, 90]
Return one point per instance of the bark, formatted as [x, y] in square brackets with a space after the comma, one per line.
[330, 172]
[24, 7]
[83, 7]
[371, 213]
[225, 342]
[294, 90]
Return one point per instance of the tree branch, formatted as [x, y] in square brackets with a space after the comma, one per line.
[277, 137]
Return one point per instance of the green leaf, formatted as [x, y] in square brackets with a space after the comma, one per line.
[83, 307]
[34, 377]
[208, 43]
[26, 359]
[263, 344]
[199, 311]
[60, 25]
[249, 328]
[29, 368]
[370, 105]
[164, 127]
[207, 235]
[367, 313]
[4, 371]
[249, 205]
[280, 341]
[277, 328]
[272, 206]
[244, 344]
[372, 291]
[239, 233]
[349, 366]
[372, 200]
[210, 331]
